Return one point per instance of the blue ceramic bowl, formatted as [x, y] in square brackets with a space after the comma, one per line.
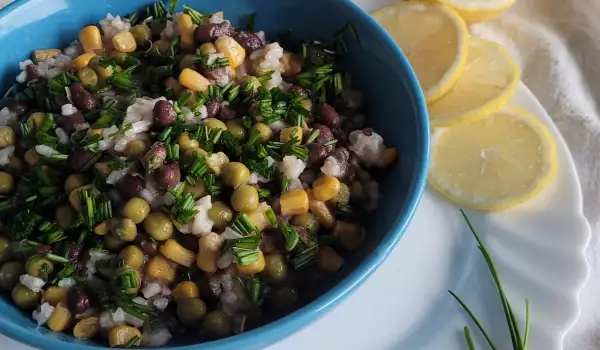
[394, 104]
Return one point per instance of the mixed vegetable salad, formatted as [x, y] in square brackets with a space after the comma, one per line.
[169, 173]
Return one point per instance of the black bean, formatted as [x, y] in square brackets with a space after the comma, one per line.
[149, 247]
[68, 122]
[329, 116]
[82, 160]
[212, 108]
[249, 41]
[211, 31]
[82, 98]
[164, 114]
[351, 174]
[32, 72]
[316, 151]
[169, 175]
[221, 75]
[210, 287]
[78, 300]
[73, 251]
[226, 112]
[130, 186]
[43, 249]
[308, 176]
[155, 157]
[14, 106]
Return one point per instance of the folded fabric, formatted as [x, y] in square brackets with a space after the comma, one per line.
[557, 44]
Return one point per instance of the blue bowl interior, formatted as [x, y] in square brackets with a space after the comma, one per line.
[394, 108]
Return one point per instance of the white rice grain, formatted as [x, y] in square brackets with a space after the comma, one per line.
[7, 117]
[34, 284]
[202, 223]
[151, 289]
[43, 313]
[68, 109]
[158, 337]
[5, 154]
[113, 25]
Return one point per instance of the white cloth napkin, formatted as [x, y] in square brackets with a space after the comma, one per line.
[557, 44]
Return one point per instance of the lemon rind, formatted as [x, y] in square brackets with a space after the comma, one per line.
[493, 104]
[544, 179]
[453, 73]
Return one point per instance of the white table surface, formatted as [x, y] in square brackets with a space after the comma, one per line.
[376, 284]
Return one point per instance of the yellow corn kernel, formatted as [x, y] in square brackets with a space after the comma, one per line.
[174, 85]
[122, 335]
[193, 80]
[124, 42]
[31, 157]
[40, 55]
[326, 187]
[288, 133]
[323, 213]
[186, 290]
[251, 269]
[328, 260]
[159, 267]
[231, 49]
[294, 202]
[209, 252]
[60, 319]
[102, 228]
[259, 218]
[388, 156]
[90, 39]
[184, 24]
[54, 295]
[83, 60]
[86, 328]
[207, 48]
[172, 250]
[93, 132]
[36, 119]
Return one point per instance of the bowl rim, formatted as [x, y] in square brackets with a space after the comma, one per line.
[284, 327]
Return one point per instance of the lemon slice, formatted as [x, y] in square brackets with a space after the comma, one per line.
[435, 40]
[494, 163]
[489, 80]
[478, 10]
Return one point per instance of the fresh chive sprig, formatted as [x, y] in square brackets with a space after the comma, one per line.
[518, 342]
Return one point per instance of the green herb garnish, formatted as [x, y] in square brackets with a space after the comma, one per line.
[246, 250]
[518, 342]
[290, 235]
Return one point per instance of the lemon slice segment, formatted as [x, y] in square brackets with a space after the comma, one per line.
[488, 81]
[494, 163]
[435, 40]
[478, 10]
